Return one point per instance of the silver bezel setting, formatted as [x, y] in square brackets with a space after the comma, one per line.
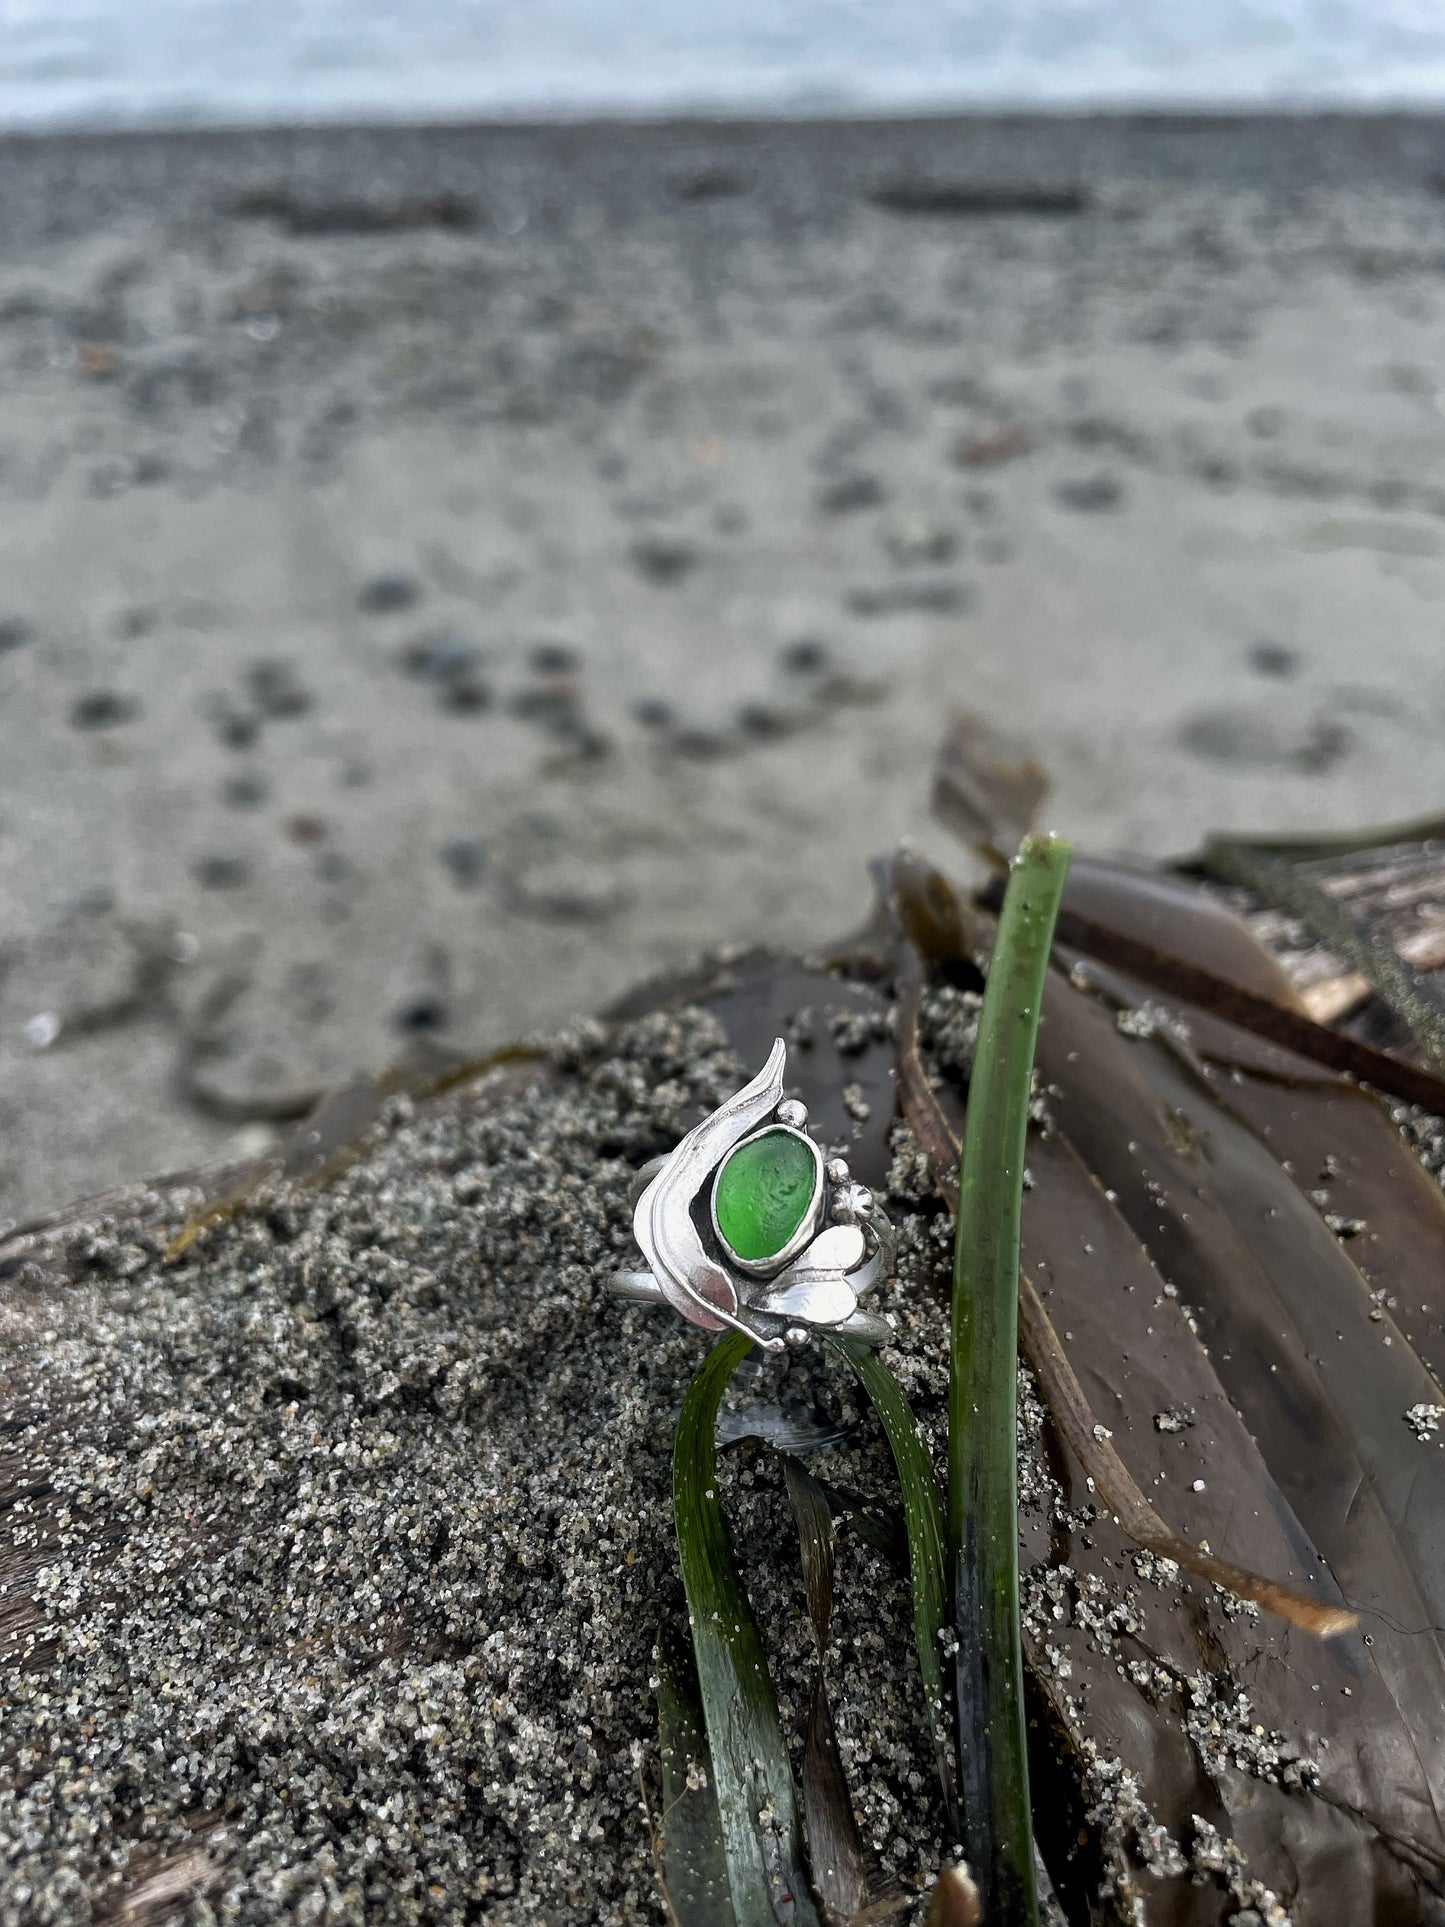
[808, 1226]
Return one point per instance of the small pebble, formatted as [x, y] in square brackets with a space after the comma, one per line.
[276, 689]
[466, 858]
[247, 790]
[466, 695]
[652, 712]
[440, 657]
[424, 1013]
[1090, 494]
[1274, 659]
[765, 723]
[388, 593]
[805, 657]
[553, 659]
[664, 559]
[103, 709]
[850, 493]
[218, 872]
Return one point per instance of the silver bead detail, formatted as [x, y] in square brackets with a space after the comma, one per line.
[836, 1171]
[853, 1205]
[792, 1113]
[797, 1338]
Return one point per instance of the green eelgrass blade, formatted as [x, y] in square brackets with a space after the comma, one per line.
[923, 1516]
[983, 1396]
[757, 1803]
[694, 1866]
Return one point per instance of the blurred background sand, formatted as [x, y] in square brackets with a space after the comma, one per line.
[449, 574]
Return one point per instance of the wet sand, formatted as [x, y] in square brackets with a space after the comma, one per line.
[447, 575]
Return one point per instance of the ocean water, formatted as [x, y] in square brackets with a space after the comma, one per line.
[206, 62]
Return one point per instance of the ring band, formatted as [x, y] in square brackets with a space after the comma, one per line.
[744, 1226]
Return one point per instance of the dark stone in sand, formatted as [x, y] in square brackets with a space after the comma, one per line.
[218, 872]
[276, 689]
[652, 712]
[247, 790]
[465, 695]
[703, 741]
[806, 656]
[548, 703]
[932, 595]
[1090, 494]
[15, 632]
[465, 857]
[765, 723]
[963, 199]
[848, 493]
[103, 709]
[454, 212]
[389, 593]
[440, 657]
[710, 184]
[423, 1013]
[553, 658]
[664, 559]
[235, 727]
[1274, 659]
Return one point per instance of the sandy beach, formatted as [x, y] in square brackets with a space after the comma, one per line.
[447, 575]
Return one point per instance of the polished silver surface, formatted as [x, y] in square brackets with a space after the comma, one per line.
[843, 1247]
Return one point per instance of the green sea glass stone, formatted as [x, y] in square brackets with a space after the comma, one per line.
[763, 1193]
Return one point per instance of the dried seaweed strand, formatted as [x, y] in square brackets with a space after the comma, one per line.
[1058, 1382]
[1291, 1030]
[1285, 886]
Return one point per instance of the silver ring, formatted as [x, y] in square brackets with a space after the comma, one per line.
[746, 1227]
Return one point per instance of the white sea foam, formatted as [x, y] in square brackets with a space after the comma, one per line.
[187, 62]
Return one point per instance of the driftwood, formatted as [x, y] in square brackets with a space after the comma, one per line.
[410, 1708]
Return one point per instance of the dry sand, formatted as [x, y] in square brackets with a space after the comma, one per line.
[447, 575]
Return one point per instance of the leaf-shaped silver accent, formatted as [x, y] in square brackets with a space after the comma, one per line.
[817, 1298]
[692, 1282]
[815, 1288]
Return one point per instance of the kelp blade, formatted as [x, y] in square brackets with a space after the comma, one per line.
[757, 1805]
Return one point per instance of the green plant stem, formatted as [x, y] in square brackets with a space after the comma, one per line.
[983, 1396]
[928, 1565]
[757, 1802]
